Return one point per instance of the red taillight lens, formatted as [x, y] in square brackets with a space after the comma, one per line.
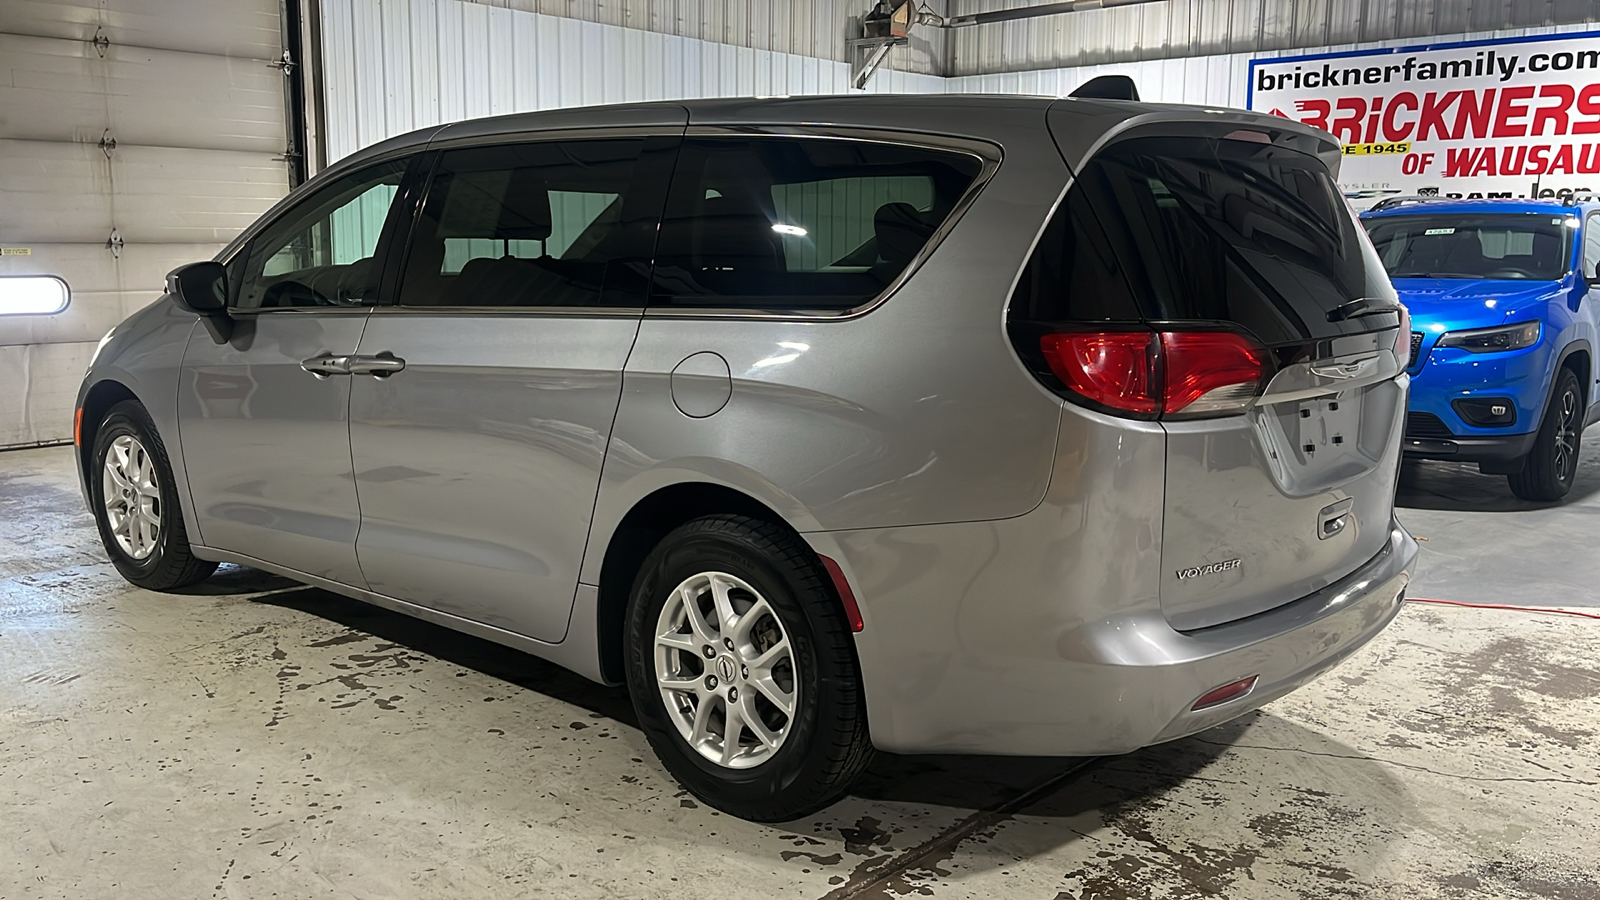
[1188, 372]
[1402, 339]
[1111, 368]
[1209, 371]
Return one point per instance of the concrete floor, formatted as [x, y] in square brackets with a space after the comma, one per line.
[257, 738]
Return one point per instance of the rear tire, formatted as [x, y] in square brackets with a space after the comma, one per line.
[1549, 468]
[136, 503]
[731, 604]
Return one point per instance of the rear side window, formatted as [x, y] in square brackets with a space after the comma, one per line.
[1235, 231]
[530, 225]
[799, 223]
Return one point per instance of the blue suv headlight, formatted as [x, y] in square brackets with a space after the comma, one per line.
[1491, 340]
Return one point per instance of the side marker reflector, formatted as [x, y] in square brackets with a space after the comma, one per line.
[848, 597]
[77, 427]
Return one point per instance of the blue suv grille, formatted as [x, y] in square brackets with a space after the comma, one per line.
[1416, 347]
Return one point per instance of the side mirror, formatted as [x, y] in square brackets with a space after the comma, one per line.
[202, 288]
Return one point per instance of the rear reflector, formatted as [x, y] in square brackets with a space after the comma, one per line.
[852, 612]
[1193, 373]
[1221, 695]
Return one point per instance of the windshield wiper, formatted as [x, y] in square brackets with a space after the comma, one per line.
[1361, 306]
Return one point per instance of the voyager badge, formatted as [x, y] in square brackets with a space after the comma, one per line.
[1207, 569]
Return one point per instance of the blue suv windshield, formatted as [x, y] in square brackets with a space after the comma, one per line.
[1531, 247]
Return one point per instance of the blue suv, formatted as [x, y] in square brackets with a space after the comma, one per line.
[1503, 297]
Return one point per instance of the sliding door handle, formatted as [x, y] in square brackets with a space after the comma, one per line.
[380, 366]
[325, 364]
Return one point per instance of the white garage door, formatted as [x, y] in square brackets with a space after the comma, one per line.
[135, 135]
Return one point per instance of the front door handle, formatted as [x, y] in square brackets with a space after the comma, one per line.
[325, 364]
[380, 366]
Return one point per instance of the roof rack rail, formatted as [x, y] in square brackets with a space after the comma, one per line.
[1391, 202]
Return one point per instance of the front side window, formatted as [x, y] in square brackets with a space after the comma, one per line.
[1521, 246]
[322, 251]
[799, 223]
[526, 225]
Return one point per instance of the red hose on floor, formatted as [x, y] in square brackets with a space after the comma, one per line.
[1539, 609]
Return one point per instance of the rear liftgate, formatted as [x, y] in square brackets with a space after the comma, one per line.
[1211, 276]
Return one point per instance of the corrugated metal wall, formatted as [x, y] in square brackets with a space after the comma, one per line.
[1197, 28]
[1219, 80]
[816, 28]
[391, 66]
[186, 92]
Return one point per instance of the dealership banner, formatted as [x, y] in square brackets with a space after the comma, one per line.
[1509, 118]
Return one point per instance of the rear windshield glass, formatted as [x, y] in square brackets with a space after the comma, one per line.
[1236, 231]
[1505, 246]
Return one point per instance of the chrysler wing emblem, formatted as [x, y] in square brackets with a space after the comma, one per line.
[1345, 371]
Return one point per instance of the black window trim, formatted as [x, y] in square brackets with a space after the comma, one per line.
[988, 155]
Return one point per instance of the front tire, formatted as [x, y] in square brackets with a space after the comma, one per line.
[742, 669]
[136, 503]
[1549, 468]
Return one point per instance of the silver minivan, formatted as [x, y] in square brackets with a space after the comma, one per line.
[934, 424]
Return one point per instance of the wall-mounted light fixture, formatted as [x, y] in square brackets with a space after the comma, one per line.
[33, 295]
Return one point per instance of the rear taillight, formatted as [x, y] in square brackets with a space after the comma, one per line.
[1402, 339]
[1114, 369]
[1172, 373]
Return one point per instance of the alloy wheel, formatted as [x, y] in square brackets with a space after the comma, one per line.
[1566, 436]
[132, 497]
[726, 670]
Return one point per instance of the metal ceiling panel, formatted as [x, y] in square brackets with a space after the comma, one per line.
[1205, 27]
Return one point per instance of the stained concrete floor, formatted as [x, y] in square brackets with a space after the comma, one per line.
[257, 738]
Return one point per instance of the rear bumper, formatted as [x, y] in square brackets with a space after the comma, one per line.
[1294, 644]
[1110, 685]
